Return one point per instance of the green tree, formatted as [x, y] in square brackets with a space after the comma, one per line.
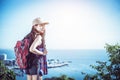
[107, 70]
[5, 73]
[62, 77]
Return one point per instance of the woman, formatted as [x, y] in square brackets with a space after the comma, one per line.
[37, 64]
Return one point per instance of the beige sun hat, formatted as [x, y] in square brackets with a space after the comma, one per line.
[38, 21]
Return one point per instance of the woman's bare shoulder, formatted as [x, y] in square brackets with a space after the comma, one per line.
[38, 37]
[36, 42]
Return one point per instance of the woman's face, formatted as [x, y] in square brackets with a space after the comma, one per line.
[40, 28]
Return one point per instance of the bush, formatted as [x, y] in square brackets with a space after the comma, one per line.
[63, 77]
[110, 71]
[5, 73]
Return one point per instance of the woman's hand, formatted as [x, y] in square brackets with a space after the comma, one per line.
[45, 52]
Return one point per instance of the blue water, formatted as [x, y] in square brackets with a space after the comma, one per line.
[81, 59]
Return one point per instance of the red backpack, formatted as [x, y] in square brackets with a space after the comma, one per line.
[21, 51]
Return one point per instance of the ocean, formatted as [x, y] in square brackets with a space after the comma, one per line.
[80, 62]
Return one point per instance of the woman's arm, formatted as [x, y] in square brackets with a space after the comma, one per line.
[33, 47]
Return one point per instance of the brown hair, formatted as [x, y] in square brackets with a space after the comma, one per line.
[35, 32]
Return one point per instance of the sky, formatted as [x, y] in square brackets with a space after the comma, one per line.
[74, 24]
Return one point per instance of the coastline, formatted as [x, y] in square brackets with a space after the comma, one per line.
[81, 59]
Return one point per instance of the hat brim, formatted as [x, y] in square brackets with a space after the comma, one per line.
[44, 23]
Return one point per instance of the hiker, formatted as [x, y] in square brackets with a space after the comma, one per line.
[37, 63]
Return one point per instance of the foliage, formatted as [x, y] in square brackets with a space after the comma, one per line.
[63, 77]
[107, 71]
[5, 73]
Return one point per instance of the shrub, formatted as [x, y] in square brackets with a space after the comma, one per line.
[110, 71]
[62, 77]
[5, 73]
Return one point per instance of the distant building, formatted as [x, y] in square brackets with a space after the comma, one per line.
[3, 56]
[8, 62]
